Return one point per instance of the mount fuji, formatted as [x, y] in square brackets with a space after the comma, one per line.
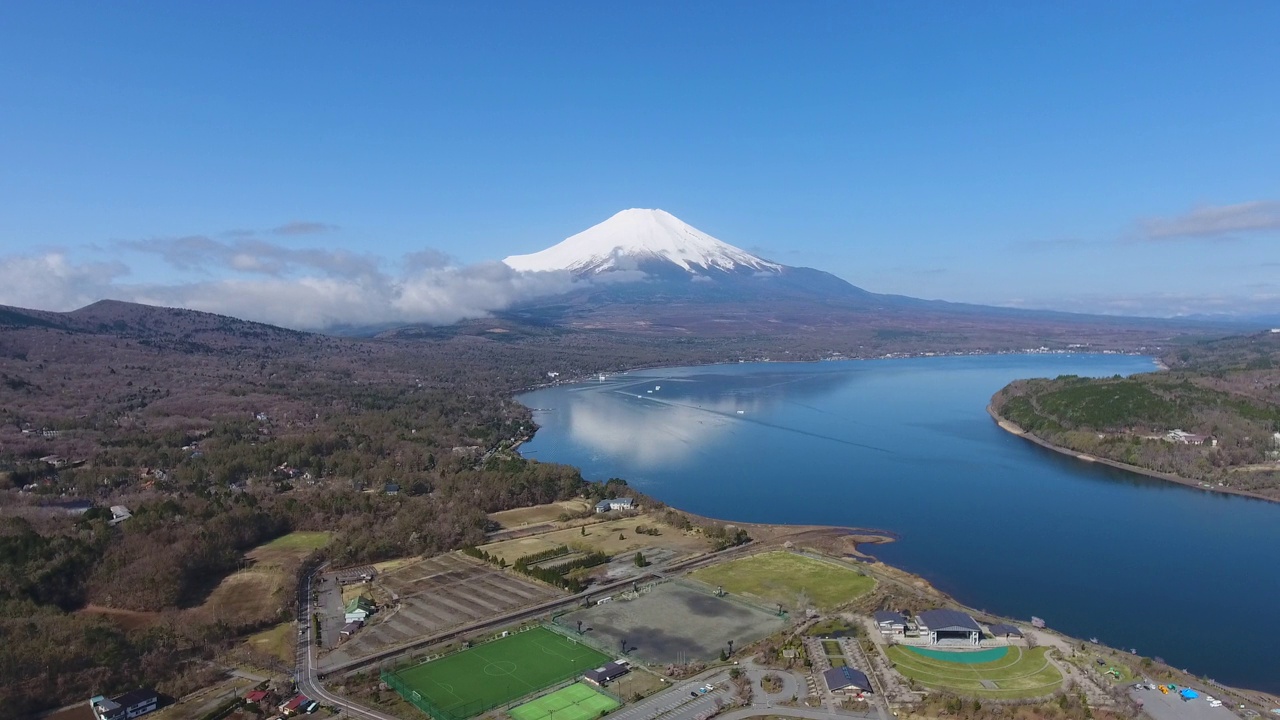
[647, 271]
[664, 257]
[650, 240]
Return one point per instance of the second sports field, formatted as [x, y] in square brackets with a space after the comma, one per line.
[472, 681]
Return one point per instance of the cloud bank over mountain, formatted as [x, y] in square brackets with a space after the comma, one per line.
[255, 279]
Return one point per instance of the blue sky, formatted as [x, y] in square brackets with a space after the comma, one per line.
[1108, 157]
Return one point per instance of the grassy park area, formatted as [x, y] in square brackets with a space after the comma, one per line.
[1006, 673]
[781, 577]
[473, 681]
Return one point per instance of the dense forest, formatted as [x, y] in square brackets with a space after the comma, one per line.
[1225, 394]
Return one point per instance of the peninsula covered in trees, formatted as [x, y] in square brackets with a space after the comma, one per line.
[1213, 418]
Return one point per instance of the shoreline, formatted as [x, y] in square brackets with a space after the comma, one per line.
[1160, 366]
[1013, 429]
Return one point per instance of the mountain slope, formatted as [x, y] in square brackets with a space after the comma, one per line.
[646, 271]
[636, 238]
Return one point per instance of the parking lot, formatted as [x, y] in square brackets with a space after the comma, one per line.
[673, 623]
[1172, 707]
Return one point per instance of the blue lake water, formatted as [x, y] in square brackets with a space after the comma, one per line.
[998, 522]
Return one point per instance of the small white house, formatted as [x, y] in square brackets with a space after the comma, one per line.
[119, 513]
[891, 623]
[615, 504]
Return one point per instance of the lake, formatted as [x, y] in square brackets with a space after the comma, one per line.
[907, 446]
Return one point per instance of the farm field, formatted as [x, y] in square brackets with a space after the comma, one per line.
[780, 577]
[470, 682]
[550, 512]
[436, 594]
[1003, 673]
[576, 702]
[612, 537]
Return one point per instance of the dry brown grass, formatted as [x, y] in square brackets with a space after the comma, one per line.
[246, 597]
[538, 513]
[278, 642]
[613, 537]
[126, 619]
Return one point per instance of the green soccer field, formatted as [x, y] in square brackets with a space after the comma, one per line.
[472, 681]
[576, 702]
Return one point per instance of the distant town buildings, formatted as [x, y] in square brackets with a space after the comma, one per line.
[1186, 438]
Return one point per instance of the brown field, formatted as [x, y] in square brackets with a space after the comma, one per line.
[436, 594]
[613, 537]
[126, 619]
[261, 592]
[278, 642]
[538, 513]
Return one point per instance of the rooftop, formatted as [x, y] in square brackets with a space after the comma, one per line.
[840, 678]
[948, 620]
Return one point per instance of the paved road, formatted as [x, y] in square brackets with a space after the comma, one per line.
[305, 675]
[810, 713]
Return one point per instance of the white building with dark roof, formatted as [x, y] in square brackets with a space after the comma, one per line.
[890, 622]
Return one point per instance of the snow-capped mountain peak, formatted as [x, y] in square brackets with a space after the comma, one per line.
[634, 238]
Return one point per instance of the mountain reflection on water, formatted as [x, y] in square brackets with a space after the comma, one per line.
[906, 446]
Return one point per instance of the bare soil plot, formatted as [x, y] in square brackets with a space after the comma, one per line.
[439, 593]
[612, 537]
[673, 623]
[550, 512]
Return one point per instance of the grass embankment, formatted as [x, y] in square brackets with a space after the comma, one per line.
[550, 512]
[783, 577]
[1019, 673]
[262, 591]
[613, 538]
[278, 642]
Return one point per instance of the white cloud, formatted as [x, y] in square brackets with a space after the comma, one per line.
[298, 288]
[51, 281]
[1215, 221]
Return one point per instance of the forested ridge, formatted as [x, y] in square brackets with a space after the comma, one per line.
[1225, 393]
[218, 436]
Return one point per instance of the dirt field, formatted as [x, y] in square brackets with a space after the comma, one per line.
[258, 593]
[436, 594]
[278, 642]
[613, 537]
[509, 519]
[673, 623]
[127, 619]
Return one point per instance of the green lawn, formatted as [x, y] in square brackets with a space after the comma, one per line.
[780, 577]
[301, 540]
[576, 702]
[472, 681]
[1015, 673]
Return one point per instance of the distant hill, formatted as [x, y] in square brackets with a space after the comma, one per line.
[1223, 395]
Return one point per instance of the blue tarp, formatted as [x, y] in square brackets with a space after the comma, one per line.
[1189, 694]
